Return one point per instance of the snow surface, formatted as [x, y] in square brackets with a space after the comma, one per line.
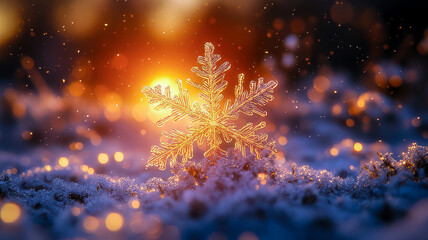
[235, 199]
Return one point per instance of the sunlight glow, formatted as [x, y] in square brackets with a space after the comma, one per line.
[164, 82]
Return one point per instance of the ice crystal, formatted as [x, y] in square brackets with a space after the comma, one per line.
[212, 121]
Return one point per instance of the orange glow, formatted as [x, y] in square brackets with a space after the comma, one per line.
[416, 122]
[168, 19]
[139, 111]
[284, 129]
[102, 158]
[76, 146]
[336, 109]
[321, 84]
[78, 18]
[361, 103]
[112, 114]
[315, 96]
[164, 82]
[364, 98]
[79, 145]
[27, 63]
[48, 168]
[10, 212]
[76, 211]
[262, 178]
[63, 161]
[350, 122]
[112, 103]
[278, 24]
[90, 224]
[79, 72]
[358, 147]
[135, 204]
[76, 88]
[422, 47]
[114, 221]
[282, 140]
[18, 108]
[395, 81]
[9, 20]
[118, 156]
[334, 151]
[354, 110]
[119, 62]
[348, 142]
[26, 135]
[91, 134]
[380, 79]
[280, 157]
[84, 168]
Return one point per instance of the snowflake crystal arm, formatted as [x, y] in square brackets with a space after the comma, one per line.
[213, 80]
[212, 87]
[248, 102]
[179, 104]
[247, 137]
[174, 144]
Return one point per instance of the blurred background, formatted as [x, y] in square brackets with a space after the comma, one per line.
[352, 76]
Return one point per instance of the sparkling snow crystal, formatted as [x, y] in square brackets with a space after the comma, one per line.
[212, 122]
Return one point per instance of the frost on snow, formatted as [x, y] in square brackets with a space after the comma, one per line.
[211, 122]
[237, 196]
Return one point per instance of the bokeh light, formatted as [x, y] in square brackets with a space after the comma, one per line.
[103, 158]
[10, 212]
[90, 224]
[135, 204]
[114, 221]
[9, 21]
[48, 168]
[63, 162]
[358, 147]
[118, 156]
[334, 151]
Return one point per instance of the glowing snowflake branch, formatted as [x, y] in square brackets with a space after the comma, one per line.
[248, 103]
[179, 105]
[175, 143]
[212, 121]
[213, 80]
[246, 137]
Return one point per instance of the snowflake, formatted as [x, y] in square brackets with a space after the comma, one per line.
[212, 123]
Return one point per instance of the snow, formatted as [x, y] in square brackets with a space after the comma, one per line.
[236, 198]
